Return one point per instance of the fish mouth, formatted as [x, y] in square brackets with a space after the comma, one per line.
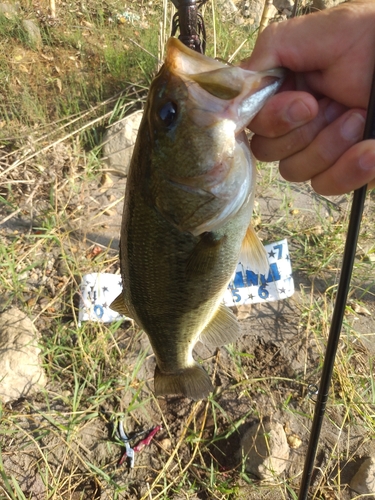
[182, 60]
[218, 91]
[210, 73]
[228, 83]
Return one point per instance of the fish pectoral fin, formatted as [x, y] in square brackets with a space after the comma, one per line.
[119, 306]
[204, 256]
[193, 382]
[222, 329]
[253, 254]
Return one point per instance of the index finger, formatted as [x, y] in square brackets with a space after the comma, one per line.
[301, 43]
[284, 112]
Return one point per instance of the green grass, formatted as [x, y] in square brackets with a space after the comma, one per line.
[61, 442]
[85, 60]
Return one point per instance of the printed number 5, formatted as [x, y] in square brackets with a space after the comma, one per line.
[236, 296]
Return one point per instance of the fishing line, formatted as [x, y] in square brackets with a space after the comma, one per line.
[338, 311]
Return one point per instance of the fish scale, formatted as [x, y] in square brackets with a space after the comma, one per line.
[187, 211]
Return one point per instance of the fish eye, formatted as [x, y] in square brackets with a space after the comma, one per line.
[168, 113]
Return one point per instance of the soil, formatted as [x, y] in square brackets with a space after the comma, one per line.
[278, 352]
[272, 372]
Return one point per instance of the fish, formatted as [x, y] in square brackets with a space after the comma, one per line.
[187, 211]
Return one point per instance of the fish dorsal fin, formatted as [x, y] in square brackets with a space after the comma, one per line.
[253, 253]
[204, 256]
[119, 306]
[222, 329]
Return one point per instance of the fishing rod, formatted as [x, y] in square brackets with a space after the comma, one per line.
[190, 22]
[338, 311]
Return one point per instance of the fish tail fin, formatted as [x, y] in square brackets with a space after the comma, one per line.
[193, 382]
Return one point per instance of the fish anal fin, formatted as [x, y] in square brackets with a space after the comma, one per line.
[119, 306]
[222, 329]
[253, 254]
[193, 382]
[204, 256]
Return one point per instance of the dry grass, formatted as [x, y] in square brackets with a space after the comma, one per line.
[61, 443]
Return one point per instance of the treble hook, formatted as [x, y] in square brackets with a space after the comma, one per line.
[190, 22]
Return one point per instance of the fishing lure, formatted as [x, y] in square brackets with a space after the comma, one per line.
[190, 22]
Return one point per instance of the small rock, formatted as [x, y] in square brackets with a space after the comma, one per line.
[266, 449]
[252, 11]
[118, 143]
[243, 311]
[109, 212]
[9, 10]
[282, 5]
[324, 4]
[33, 33]
[294, 441]
[32, 301]
[360, 309]
[61, 266]
[166, 444]
[226, 7]
[20, 370]
[363, 482]
[44, 302]
[105, 182]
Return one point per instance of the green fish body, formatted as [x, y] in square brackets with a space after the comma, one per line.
[187, 212]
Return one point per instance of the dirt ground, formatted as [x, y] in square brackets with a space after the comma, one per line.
[59, 222]
[271, 373]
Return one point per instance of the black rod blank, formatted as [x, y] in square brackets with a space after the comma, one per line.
[339, 310]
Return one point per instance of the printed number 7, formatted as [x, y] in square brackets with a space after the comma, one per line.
[280, 249]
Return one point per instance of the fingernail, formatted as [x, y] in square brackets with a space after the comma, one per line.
[352, 127]
[367, 160]
[298, 112]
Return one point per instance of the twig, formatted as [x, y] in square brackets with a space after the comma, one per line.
[53, 8]
[266, 15]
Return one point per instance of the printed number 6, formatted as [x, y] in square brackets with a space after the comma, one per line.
[263, 293]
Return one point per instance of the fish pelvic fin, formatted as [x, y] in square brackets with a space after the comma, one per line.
[119, 306]
[193, 383]
[253, 253]
[222, 329]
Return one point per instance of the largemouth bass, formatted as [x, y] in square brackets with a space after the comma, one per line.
[188, 205]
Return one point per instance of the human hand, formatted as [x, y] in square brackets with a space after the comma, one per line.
[315, 125]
